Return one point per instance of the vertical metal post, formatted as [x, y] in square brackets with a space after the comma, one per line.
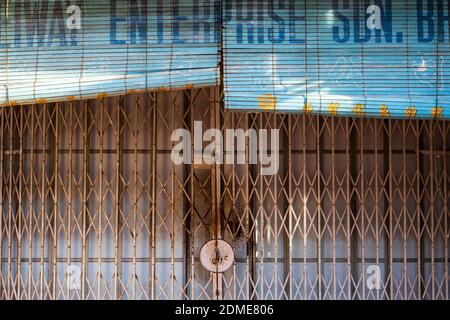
[9, 282]
[446, 156]
[134, 227]
[319, 207]
[42, 192]
[172, 205]
[333, 203]
[404, 213]
[250, 222]
[389, 242]
[69, 192]
[432, 159]
[188, 208]
[100, 198]
[216, 208]
[353, 149]
[288, 236]
[377, 126]
[19, 207]
[53, 129]
[362, 205]
[420, 209]
[305, 208]
[261, 213]
[153, 197]
[118, 204]
[193, 202]
[349, 207]
[2, 205]
[85, 285]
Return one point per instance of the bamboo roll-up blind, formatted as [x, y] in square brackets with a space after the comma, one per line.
[52, 50]
[377, 58]
[366, 58]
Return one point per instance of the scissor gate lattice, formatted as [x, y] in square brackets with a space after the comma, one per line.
[88, 192]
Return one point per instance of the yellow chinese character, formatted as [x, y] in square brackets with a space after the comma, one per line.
[384, 111]
[437, 112]
[267, 102]
[333, 108]
[307, 108]
[411, 112]
[41, 101]
[359, 110]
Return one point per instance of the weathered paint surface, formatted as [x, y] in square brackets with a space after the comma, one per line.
[378, 58]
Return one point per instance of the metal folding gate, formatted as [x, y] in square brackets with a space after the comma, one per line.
[88, 191]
